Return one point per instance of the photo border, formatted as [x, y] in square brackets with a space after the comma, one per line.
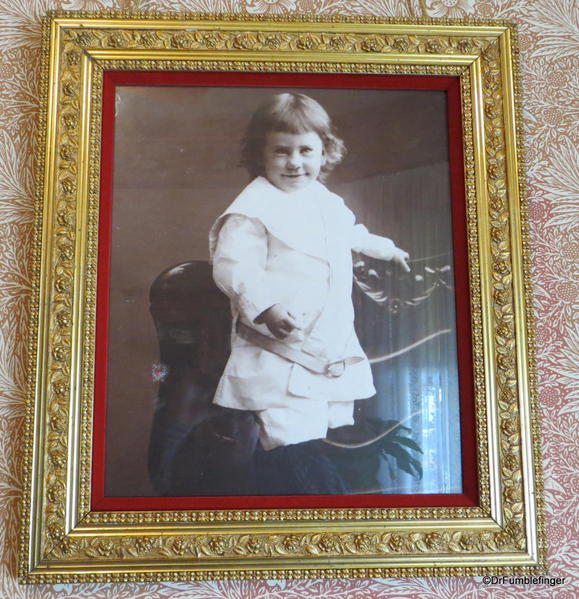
[451, 86]
[63, 538]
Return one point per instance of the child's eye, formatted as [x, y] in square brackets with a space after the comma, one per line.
[307, 150]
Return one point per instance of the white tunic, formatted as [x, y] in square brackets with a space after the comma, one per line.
[294, 249]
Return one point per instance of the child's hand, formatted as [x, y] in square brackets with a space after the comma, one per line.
[401, 257]
[278, 320]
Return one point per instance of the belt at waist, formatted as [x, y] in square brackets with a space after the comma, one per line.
[332, 369]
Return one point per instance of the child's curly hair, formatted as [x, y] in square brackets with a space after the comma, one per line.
[289, 113]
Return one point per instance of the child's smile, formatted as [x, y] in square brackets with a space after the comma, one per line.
[292, 160]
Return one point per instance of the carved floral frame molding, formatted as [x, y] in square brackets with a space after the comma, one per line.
[62, 540]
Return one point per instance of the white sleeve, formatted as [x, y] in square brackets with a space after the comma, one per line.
[374, 246]
[239, 265]
[361, 240]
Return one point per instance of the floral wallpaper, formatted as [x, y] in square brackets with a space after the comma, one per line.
[550, 67]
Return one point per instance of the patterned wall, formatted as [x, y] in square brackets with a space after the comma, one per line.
[550, 64]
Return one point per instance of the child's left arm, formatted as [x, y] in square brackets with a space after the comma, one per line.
[379, 247]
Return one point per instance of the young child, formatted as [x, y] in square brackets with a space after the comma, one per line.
[282, 252]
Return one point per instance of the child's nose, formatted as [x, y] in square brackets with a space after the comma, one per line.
[293, 160]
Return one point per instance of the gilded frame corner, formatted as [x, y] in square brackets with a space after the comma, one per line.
[62, 540]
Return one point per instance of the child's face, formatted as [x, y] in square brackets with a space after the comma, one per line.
[292, 160]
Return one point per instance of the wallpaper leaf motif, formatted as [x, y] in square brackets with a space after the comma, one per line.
[97, 4]
[561, 182]
[557, 22]
[19, 93]
[449, 9]
[12, 379]
[549, 36]
[16, 181]
[383, 8]
[270, 7]
[20, 22]
[216, 6]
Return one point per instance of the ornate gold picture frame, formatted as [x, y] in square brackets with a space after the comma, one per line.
[67, 535]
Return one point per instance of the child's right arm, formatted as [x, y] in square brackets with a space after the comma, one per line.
[278, 320]
[239, 271]
[379, 247]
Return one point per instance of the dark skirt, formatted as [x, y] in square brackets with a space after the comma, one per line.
[300, 469]
[222, 456]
